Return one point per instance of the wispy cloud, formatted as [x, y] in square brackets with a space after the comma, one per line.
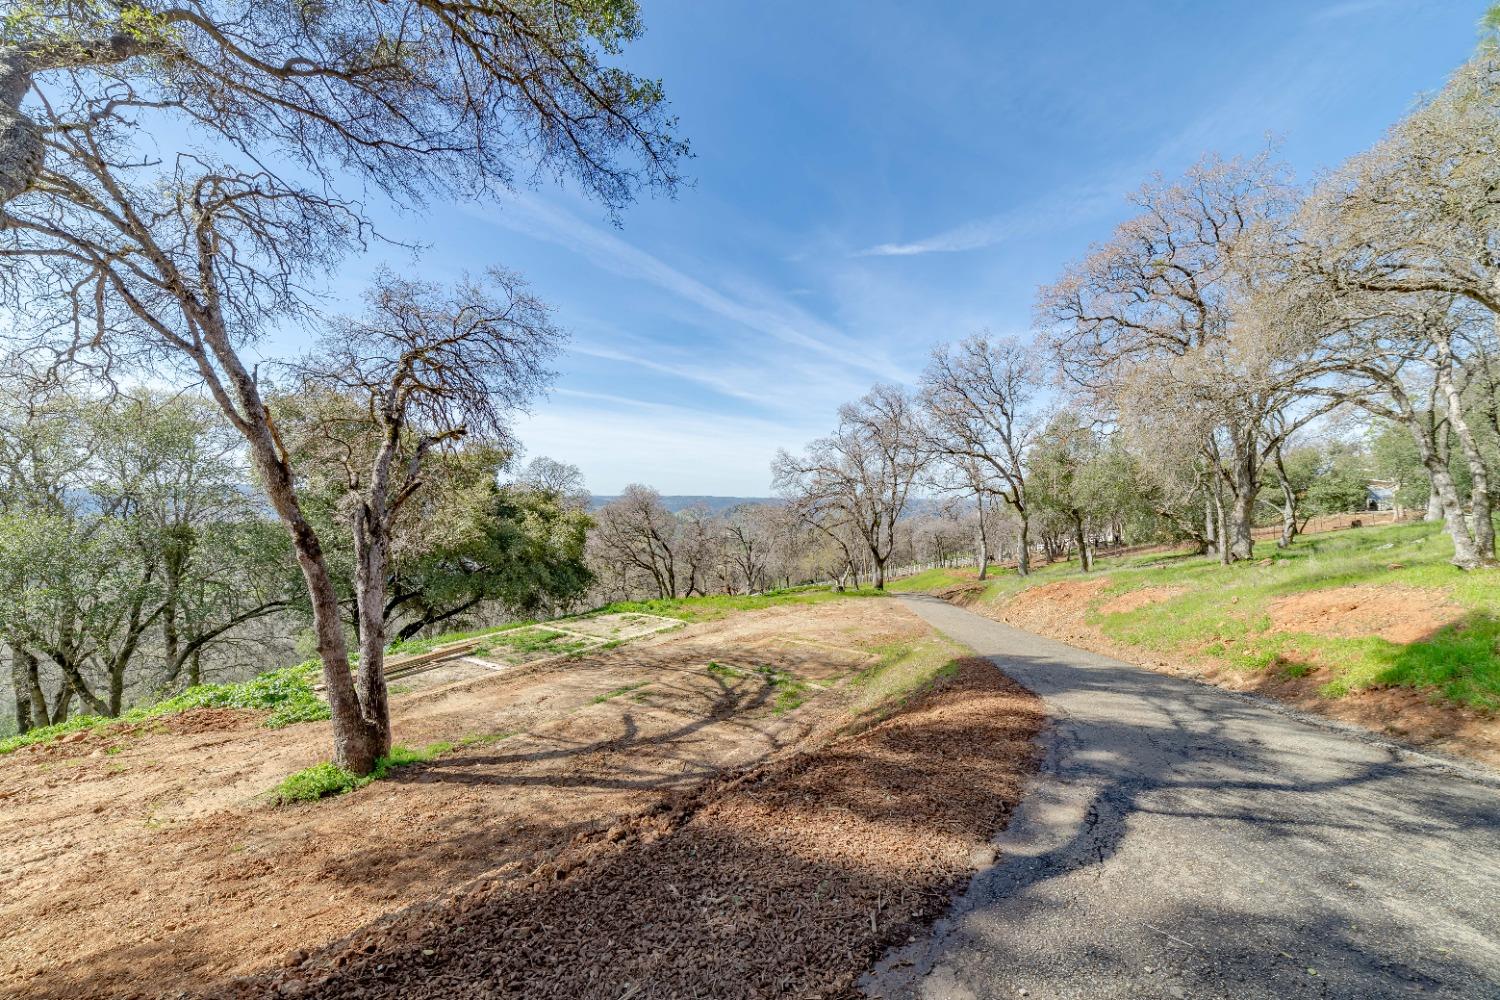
[1354, 8]
[775, 318]
[1031, 219]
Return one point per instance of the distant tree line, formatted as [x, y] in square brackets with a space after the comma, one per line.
[1241, 349]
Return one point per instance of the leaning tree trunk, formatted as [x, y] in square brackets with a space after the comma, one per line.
[1288, 517]
[1465, 552]
[984, 548]
[1479, 493]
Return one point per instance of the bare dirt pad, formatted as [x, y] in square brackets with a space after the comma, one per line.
[1134, 600]
[143, 861]
[1397, 614]
[788, 880]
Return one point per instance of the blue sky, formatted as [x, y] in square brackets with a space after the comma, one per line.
[872, 178]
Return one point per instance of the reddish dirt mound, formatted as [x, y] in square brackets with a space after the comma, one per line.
[1136, 599]
[1397, 614]
[1053, 608]
[787, 881]
[962, 594]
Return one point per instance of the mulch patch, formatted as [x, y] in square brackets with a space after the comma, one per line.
[788, 880]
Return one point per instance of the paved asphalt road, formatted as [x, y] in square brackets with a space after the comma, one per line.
[1183, 841]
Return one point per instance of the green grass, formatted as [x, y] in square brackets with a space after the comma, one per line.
[538, 639]
[788, 691]
[287, 694]
[617, 692]
[1223, 613]
[325, 779]
[935, 579]
[903, 671]
[702, 609]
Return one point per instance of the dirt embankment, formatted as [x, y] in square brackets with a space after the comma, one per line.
[1059, 610]
[786, 881]
[145, 863]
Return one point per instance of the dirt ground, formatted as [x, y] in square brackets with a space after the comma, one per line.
[148, 862]
[1057, 610]
[1397, 614]
[785, 881]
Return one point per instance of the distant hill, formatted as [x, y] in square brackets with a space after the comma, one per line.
[675, 503]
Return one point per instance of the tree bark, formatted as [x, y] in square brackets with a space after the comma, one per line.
[1483, 531]
[1465, 553]
[1023, 544]
[1242, 510]
[1084, 563]
[984, 546]
[22, 689]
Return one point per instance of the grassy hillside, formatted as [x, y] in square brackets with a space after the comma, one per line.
[1373, 606]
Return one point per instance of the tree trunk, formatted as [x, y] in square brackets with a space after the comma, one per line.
[1434, 507]
[355, 746]
[1242, 511]
[22, 689]
[371, 562]
[984, 548]
[1465, 553]
[1023, 544]
[1221, 531]
[1288, 516]
[1084, 563]
[1479, 494]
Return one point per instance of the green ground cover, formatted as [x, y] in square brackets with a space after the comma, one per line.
[1223, 611]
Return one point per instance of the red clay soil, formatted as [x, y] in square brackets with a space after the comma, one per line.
[1058, 611]
[1134, 600]
[787, 880]
[1397, 614]
[145, 861]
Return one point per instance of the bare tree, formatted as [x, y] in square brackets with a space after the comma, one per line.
[636, 532]
[1178, 310]
[117, 255]
[750, 532]
[981, 417]
[1411, 222]
[857, 480]
[422, 369]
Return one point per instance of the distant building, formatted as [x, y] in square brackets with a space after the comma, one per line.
[1380, 494]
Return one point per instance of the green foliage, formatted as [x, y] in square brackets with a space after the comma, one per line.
[535, 639]
[287, 694]
[1223, 610]
[617, 692]
[903, 671]
[327, 778]
[316, 782]
[42, 734]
